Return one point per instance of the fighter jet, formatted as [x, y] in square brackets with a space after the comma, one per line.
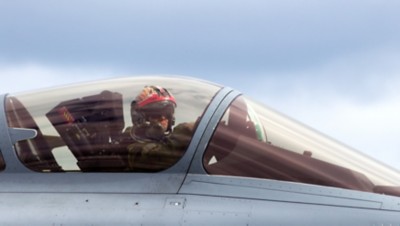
[157, 150]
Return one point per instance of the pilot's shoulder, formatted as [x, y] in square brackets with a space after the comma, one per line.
[184, 128]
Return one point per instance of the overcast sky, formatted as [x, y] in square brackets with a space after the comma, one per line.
[331, 64]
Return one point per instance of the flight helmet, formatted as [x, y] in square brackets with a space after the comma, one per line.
[152, 102]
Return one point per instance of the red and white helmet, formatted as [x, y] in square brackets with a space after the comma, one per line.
[153, 101]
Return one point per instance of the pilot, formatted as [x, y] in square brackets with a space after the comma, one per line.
[157, 144]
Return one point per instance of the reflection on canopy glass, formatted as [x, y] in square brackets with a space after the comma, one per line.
[254, 141]
[88, 127]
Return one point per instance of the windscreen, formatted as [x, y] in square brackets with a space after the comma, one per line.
[254, 141]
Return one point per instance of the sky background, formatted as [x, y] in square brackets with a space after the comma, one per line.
[332, 64]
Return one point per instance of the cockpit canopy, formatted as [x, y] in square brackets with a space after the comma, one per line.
[85, 128]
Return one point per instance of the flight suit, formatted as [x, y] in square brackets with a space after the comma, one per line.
[155, 156]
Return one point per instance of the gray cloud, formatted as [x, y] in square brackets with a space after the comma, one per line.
[204, 36]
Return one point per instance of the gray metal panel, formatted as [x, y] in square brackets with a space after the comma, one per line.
[197, 142]
[271, 190]
[6, 143]
[206, 210]
[166, 183]
[150, 209]
[223, 103]
[90, 209]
